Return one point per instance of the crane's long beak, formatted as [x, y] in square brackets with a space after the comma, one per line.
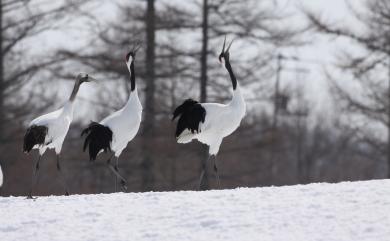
[230, 45]
[136, 47]
[223, 47]
[224, 51]
[93, 80]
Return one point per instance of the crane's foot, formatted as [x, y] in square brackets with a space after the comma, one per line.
[67, 193]
[29, 196]
[122, 180]
[217, 176]
[200, 187]
[123, 185]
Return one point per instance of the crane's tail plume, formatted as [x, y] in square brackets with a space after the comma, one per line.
[35, 135]
[191, 113]
[98, 138]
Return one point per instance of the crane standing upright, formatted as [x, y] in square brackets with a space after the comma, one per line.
[49, 131]
[115, 131]
[209, 123]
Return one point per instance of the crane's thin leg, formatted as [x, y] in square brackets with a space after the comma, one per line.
[204, 164]
[108, 163]
[63, 181]
[34, 177]
[216, 171]
[116, 178]
[117, 174]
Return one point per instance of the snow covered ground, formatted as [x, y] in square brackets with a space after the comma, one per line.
[355, 211]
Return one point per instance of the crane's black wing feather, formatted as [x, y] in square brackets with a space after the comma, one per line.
[98, 137]
[35, 135]
[190, 114]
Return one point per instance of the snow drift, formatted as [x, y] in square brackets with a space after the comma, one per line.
[344, 211]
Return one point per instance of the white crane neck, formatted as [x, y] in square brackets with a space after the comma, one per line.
[68, 108]
[75, 90]
[238, 98]
[133, 98]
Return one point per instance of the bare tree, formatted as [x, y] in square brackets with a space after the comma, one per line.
[368, 102]
[149, 120]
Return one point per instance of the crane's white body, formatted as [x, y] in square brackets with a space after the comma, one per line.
[58, 123]
[221, 120]
[124, 123]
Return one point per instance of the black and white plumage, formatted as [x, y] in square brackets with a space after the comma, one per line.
[115, 131]
[209, 123]
[48, 131]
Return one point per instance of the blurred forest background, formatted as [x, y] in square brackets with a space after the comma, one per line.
[297, 129]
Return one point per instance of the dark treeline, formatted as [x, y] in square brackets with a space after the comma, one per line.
[178, 60]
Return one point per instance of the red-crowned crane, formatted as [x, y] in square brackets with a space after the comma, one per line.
[48, 131]
[209, 123]
[115, 131]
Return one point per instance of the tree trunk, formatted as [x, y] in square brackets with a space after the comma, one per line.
[147, 163]
[388, 121]
[203, 78]
[2, 87]
[203, 57]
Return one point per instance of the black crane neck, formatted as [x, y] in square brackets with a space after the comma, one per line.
[232, 76]
[132, 75]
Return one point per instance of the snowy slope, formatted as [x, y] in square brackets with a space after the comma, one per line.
[346, 211]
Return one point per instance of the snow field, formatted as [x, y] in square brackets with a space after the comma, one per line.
[353, 211]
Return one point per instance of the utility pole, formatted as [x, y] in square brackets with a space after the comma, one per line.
[274, 158]
[277, 94]
[301, 113]
[303, 169]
